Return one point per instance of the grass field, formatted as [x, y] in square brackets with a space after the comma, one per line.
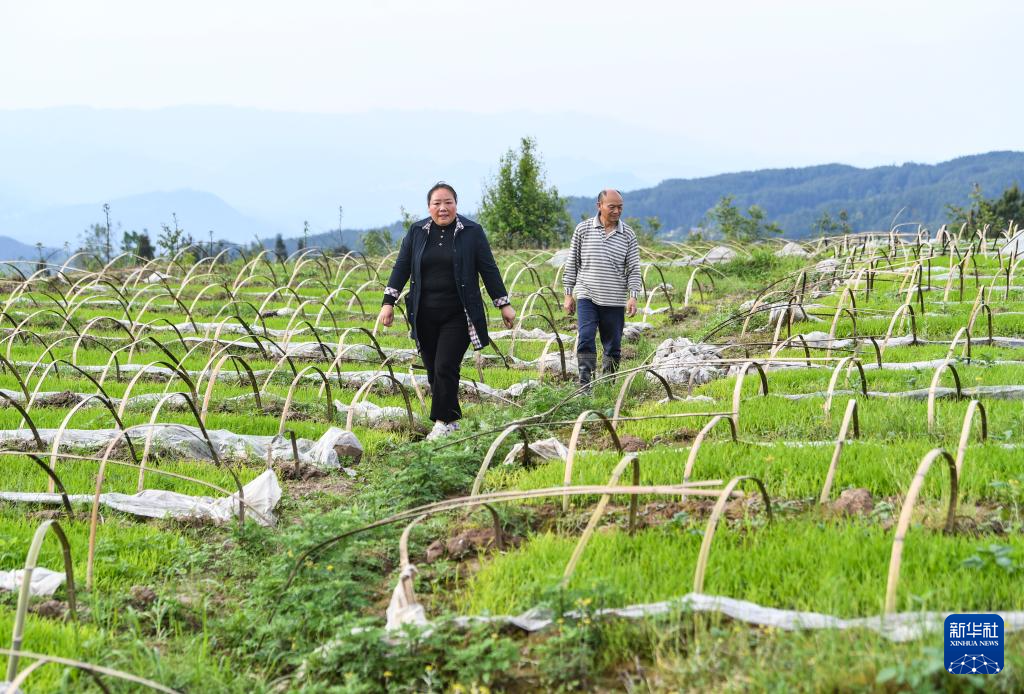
[195, 606]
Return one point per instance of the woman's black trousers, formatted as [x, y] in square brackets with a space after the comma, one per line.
[443, 336]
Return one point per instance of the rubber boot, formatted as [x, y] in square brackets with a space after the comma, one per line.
[587, 362]
[609, 365]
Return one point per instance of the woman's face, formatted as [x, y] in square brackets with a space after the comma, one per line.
[442, 207]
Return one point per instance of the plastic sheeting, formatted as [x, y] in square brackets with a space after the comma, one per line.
[261, 495]
[187, 442]
[719, 254]
[792, 249]
[988, 392]
[545, 449]
[682, 362]
[42, 582]
[368, 414]
[400, 611]
[905, 626]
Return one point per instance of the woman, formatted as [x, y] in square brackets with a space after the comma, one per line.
[443, 255]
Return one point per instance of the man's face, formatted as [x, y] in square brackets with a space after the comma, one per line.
[442, 207]
[610, 207]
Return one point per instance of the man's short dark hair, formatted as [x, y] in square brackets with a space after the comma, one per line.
[600, 196]
[438, 186]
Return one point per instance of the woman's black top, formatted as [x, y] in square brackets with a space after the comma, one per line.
[437, 266]
[470, 260]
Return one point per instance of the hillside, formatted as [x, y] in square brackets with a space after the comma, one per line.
[197, 211]
[796, 197]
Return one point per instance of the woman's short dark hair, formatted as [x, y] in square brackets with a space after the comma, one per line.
[439, 185]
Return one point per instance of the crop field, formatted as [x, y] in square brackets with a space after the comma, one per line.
[810, 455]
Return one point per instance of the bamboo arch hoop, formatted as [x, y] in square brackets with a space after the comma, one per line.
[602, 504]
[406, 566]
[903, 309]
[628, 381]
[31, 562]
[712, 526]
[698, 441]
[903, 525]
[965, 353]
[946, 364]
[574, 439]
[784, 343]
[850, 417]
[974, 407]
[64, 424]
[215, 371]
[848, 362]
[364, 389]
[737, 390]
[448, 505]
[694, 281]
[505, 433]
[326, 384]
[26, 419]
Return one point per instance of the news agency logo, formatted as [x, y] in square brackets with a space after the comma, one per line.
[974, 644]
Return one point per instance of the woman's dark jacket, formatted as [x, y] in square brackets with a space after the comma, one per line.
[471, 257]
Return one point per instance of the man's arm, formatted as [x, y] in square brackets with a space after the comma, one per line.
[634, 281]
[573, 263]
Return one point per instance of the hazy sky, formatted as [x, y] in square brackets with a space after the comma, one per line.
[790, 82]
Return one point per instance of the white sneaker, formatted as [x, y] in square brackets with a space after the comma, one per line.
[442, 429]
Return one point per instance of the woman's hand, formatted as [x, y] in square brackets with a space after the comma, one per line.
[387, 315]
[508, 315]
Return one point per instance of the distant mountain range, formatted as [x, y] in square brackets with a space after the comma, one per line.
[12, 249]
[795, 198]
[277, 169]
[197, 212]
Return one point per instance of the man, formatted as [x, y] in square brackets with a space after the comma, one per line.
[602, 281]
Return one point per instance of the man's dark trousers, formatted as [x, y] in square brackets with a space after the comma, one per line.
[609, 322]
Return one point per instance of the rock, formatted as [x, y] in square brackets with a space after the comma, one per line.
[435, 551]
[854, 502]
[343, 444]
[791, 249]
[720, 254]
[155, 277]
[471, 542]
[632, 444]
[50, 609]
[141, 597]
[633, 330]
[681, 362]
[827, 265]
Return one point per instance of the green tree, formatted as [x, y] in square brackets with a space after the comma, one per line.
[173, 239]
[646, 232]
[138, 243]
[996, 213]
[94, 242]
[518, 210]
[826, 225]
[377, 242]
[728, 221]
[280, 250]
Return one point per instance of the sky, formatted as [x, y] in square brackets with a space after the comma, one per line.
[747, 84]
